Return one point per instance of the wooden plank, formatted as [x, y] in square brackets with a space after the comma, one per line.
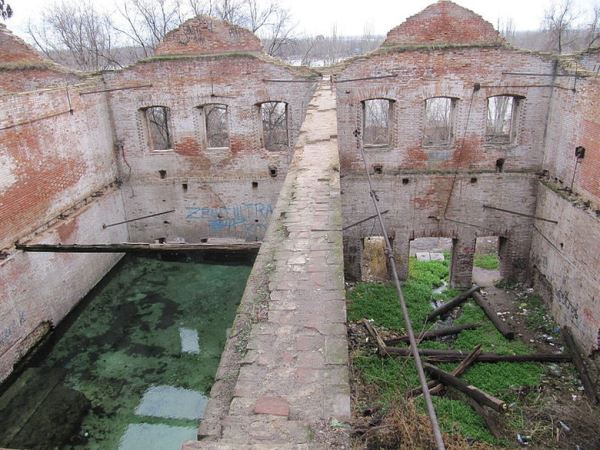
[139, 247]
[501, 326]
[456, 301]
[435, 387]
[434, 355]
[588, 386]
[434, 333]
[481, 397]
[381, 347]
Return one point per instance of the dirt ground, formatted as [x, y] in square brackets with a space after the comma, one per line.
[558, 413]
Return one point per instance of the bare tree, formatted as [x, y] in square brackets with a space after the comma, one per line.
[5, 10]
[76, 34]
[559, 22]
[506, 27]
[593, 31]
[146, 22]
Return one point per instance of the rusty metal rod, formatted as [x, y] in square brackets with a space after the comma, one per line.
[520, 214]
[139, 86]
[364, 79]
[365, 220]
[137, 218]
[437, 434]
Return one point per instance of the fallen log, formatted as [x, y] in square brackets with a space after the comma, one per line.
[462, 367]
[476, 394]
[456, 301]
[435, 355]
[501, 326]
[486, 415]
[588, 386]
[435, 387]
[434, 333]
[381, 346]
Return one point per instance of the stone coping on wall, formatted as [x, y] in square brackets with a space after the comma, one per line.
[283, 375]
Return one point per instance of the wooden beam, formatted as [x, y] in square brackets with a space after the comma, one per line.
[435, 355]
[476, 394]
[501, 326]
[456, 301]
[138, 247]
[588, 386]
[435, 387]
[447, 331]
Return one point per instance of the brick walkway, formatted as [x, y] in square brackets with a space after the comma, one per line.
[293, 377]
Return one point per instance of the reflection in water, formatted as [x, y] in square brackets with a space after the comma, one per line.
[143, 350]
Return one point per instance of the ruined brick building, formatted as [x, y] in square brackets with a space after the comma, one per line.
[451, 119]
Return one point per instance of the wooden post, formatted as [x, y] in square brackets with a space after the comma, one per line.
[381, 347]
[501, 326]
[456, 301]
[588, 386]
[478, 395]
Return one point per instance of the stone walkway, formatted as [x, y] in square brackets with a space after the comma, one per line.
[293, 373]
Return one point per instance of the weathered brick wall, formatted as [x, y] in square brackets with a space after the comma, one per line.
[219, 198]
[565, 260]
[434, 201]
[205, 35]
[57, 166]
[24, 69]
[443, 22]
[51, 158]
[565, 257]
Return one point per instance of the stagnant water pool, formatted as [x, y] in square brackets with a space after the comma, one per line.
[143, 349]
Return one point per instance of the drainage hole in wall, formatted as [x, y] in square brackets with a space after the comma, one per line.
[500, 165]
[273, 171]
[160, 240]
[405, 181]
[162, 173]
[378, 169]
[204, 240]
[184, 186]
[562, 245]
[254, 184]
[166, 222]
[473, 180]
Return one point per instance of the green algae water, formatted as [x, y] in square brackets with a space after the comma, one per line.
[144, 350]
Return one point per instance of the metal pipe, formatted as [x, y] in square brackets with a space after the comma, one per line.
[364, 220]
[411, 335]
[29, 122]
[366, 78]
[137, 218]
[116, 89]
[520, 214]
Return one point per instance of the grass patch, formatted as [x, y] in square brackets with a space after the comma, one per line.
[393, 376]
[488, 261]
[379, 302]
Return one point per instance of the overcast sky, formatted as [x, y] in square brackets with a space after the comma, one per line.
[351, 16]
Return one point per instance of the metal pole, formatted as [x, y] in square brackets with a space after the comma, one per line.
[411, 335]
[520, 214]
[364, 220]
[137, 218]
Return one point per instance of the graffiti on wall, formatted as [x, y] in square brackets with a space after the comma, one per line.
[247, 219]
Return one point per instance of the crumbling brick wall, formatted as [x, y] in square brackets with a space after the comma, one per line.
[216, 192]
[565, 256]
[441, 190]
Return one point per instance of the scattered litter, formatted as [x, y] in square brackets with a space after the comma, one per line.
[523, 440]
[564, 426]
[337, 424]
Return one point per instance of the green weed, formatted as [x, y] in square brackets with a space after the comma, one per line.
[486, 261]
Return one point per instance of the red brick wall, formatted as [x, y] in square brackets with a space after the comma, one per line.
[204, 35]
[435, 201]
[220, 200]
[443, 22]
[51, 159]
